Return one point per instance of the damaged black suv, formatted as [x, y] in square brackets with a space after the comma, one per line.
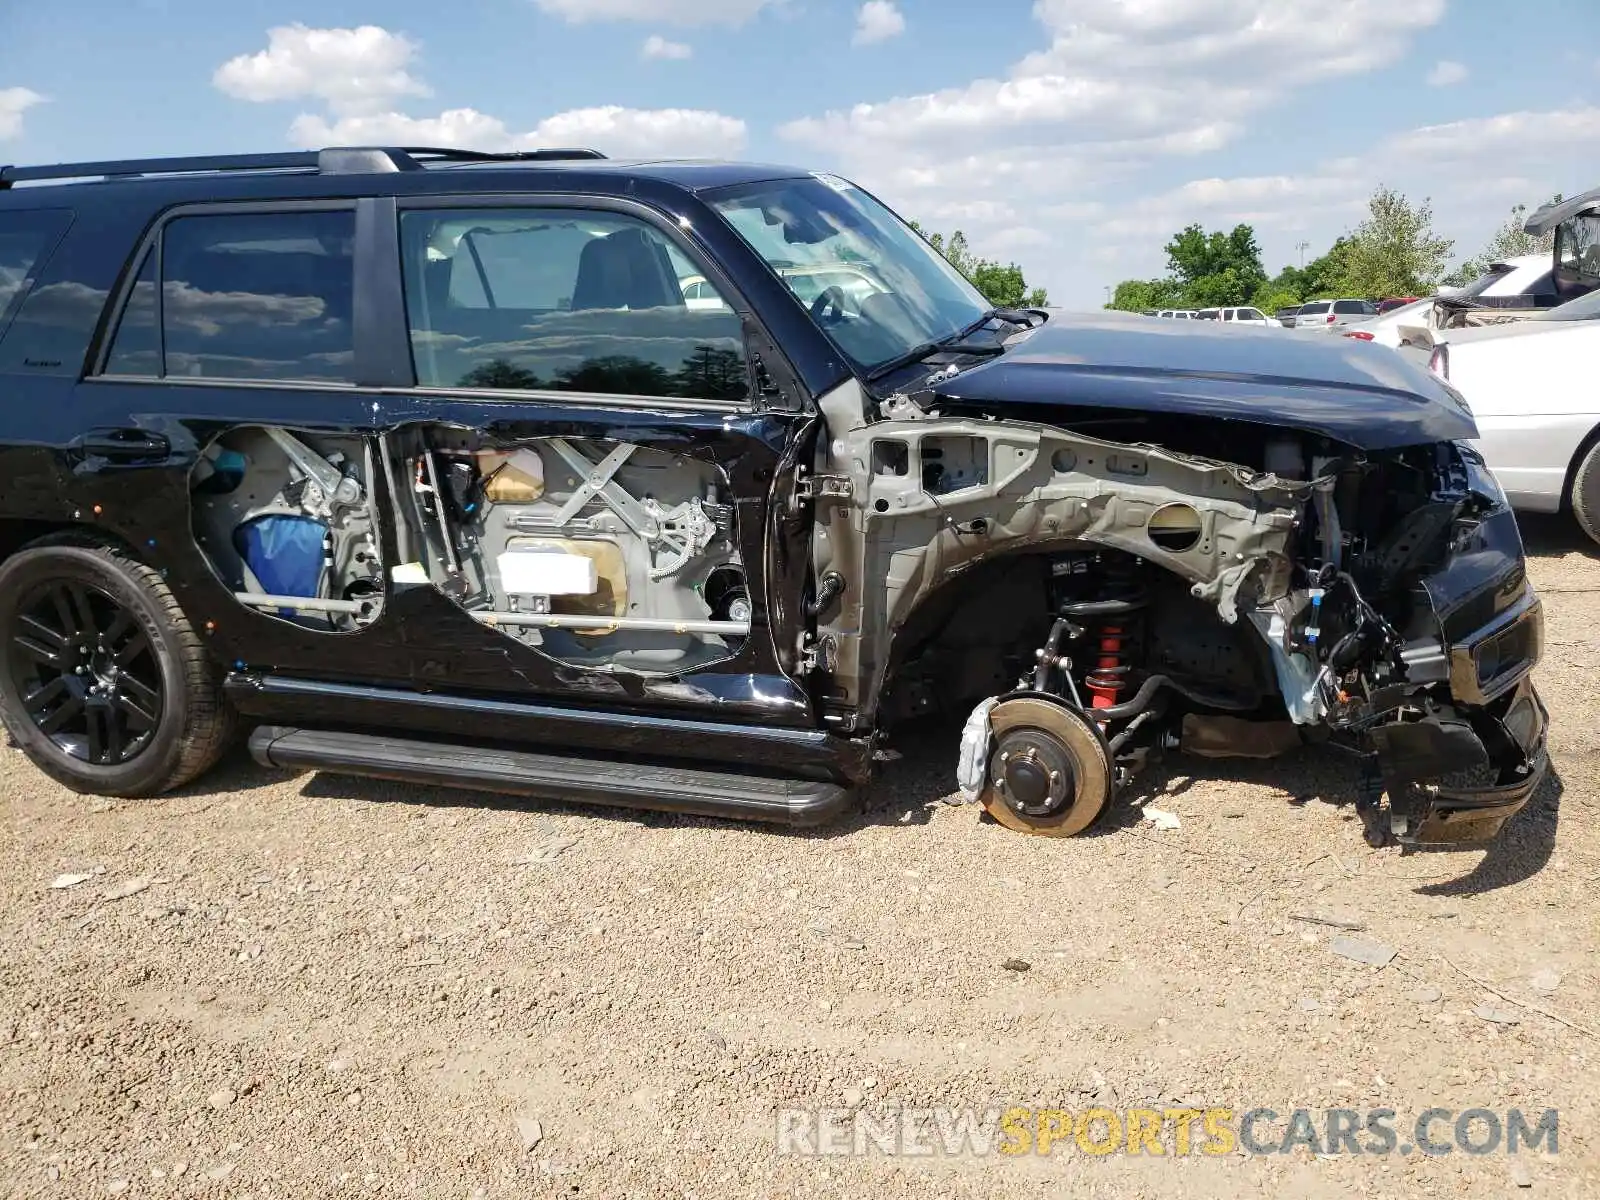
[677, 484]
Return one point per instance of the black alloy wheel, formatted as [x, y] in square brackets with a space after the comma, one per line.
[85, 673]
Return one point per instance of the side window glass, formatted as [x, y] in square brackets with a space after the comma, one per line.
[564, 300]
[25, 238]
[245, 296]
[136, 347]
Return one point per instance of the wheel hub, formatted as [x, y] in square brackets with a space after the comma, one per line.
[1036, 777]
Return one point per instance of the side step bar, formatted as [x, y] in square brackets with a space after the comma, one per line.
[549, 777]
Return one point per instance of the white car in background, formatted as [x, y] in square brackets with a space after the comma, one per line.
[1236, 316]
[1535, 394]
[1412, 324]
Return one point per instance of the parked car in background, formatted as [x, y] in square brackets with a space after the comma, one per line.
[1286, 316]
[1235, 316]
[1534, 393]
[1247, 316]
[1395, 302]
[1397, 327]
[1181, 314]
[1330, 314]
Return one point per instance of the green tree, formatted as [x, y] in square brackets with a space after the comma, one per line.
[1216, 268]
[1002, 285]
[1140, 295]
[1395, 251]
[1509, 241]
[1269, 298]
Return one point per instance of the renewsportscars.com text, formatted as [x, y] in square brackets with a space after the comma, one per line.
[1178, 1132]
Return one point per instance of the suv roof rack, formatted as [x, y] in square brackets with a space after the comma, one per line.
[335, 160]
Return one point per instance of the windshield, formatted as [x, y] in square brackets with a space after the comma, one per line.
[876, 287]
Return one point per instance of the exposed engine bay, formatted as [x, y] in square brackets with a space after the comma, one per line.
[1236, 590]
[604, 554]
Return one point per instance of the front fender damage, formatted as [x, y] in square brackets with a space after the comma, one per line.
[1358, 624]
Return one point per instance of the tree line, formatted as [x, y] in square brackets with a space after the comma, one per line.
[1393, 252]
[1003, 285]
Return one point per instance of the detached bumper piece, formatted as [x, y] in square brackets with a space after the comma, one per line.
[675, 788]
[1505, 739]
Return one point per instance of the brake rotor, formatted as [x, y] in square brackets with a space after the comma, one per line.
[1049, 773]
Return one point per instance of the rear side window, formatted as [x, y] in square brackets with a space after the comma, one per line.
[266, 296]
[26, 239]
[564, 300]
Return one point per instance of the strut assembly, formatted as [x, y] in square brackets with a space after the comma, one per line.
[1056, 760]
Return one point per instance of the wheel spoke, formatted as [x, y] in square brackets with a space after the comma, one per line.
[139, 717]
[52, 724]
[83, 609]
[98, 725]
[62, 603]
[39, 652]
[118, 629]
[131, 649]
[39, 629]
[114, 740]
[46, 693]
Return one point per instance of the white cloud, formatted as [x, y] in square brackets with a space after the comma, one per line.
[877, 21]
[1116, 87]
[351, 70]
[615, 131]
[1445, 73]
[656, 12]
[656, 46]
[1472, 171]
[14, 101]
[358, 74]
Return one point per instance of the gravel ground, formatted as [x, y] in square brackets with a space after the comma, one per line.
[329, 987]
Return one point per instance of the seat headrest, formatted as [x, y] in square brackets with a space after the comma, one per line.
[625, 269]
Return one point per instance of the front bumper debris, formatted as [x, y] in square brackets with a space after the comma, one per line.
[1503, 741]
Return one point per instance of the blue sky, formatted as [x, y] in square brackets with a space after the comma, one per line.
[1073, 136]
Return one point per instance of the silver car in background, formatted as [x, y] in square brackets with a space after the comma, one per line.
[1330, 314]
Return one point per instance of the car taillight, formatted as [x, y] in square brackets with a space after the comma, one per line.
[1439, 361]
[1360, 335]
[1330, 318]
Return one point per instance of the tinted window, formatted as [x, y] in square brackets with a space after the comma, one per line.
[246, 296]
[1315, 309]
[1350, 306]
[564, 300]
[136, 349]
[25, 239]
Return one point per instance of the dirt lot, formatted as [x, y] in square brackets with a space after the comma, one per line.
[331, 988]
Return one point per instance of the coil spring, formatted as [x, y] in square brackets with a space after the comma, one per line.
[1121, 597]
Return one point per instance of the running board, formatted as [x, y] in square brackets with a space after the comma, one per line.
[549, 777]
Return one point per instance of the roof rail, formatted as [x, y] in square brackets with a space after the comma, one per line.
[134, 167]
[336, 160]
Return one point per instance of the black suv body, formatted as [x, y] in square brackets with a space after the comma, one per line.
[677, 484]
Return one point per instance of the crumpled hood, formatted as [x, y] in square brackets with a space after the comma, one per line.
[1363, 395]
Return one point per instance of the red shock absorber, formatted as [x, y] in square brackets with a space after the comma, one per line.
[1108, 678]
[1114, 613]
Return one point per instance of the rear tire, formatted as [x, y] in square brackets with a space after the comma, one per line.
[1586, 493]
[104, 682]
